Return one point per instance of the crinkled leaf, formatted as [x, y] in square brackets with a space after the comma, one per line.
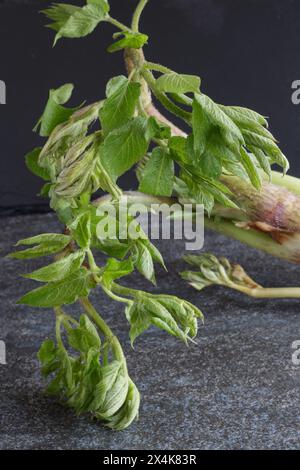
[218, 117]
[157, 129]
[129, 411]
[76, 22]
[115, 269]
[63, 292]
[81, 230]
[250, 168]
[85, 336]
[176, 83]
[119, 107]
[47, 356]
[55, 113]
[158, 175]
[130, 40]
[47, 244]
[32, 164]
[124, 147]
[60, 269]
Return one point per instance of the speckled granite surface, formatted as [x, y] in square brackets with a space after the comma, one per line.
[237, 389]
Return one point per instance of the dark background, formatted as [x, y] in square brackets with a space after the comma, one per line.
[246, 52]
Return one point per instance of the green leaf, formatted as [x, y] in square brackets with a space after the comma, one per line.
[269, 147]
[250, 168]
[102, 3]
[130, 40]
[157, 129]
[158, 175]
[47, 356]
[75, 22]
[47, 244]
[177, 147]
[244, 116]
[63, 292]
[47, 238]
[139, 320]
[119, 107]
[31, 160]
[109, 375]
[81, 230]
[129, 410]
[176, 83]
[201, 128]
[210, 165]
[115, 269]
[84, 337]
[59, 13]
[151, 311]
[262, 159]
[218, 117]
[155, 253]
[55, 113]
[58, 270]
[124, 147]
[144, 261]
[115, 396]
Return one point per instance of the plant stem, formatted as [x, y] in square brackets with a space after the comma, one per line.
[157, 67]
[271, 293]
[137, 15]
[118, 24]
[102, 325]
[165, 101]
[116, 297]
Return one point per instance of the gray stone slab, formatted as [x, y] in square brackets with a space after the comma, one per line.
[236, 389]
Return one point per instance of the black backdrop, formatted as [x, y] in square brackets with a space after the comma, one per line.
[246, 51]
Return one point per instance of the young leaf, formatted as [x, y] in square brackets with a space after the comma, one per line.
[144, 261]
[210, 165]
[130, 40]
[250, 168]
[218, 117]
[47, 244]
[58, 270]
[47, 238]
[119, 107]
[262, 159]
[201, 128]
[157, 129]
[59, 13]
[32, 163]
[85, 336]
[129, 410]
[176, 83]
[124, 147]
[81, 230]
[63, 292]
[115, 269]
[76, 22]
[242, 116]
[104, 4]
[47, 356]
[55, 113]
[158, 175]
